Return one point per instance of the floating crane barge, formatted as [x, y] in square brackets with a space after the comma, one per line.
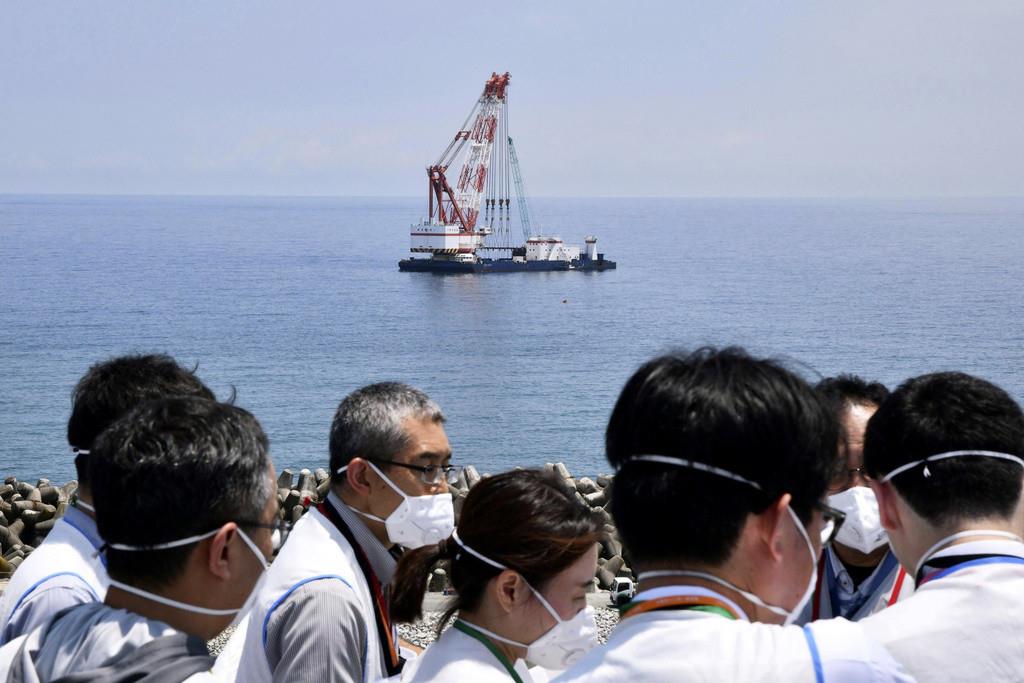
[455, 235]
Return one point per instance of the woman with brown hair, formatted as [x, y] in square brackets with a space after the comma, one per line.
[521, 561]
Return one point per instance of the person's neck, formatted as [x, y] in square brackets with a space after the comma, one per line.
[496, 623]
[854, 558]
[361, 504]
[84, 494]
[728, 573]
[976, 529]
[202, 625]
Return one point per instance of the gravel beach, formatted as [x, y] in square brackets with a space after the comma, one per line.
[422, 633]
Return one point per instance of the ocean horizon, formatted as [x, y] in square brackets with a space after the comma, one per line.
[289, 303]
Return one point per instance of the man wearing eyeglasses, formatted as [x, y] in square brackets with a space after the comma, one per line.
[722, 465]
[323, 614]
[858, 575]
[183, 559]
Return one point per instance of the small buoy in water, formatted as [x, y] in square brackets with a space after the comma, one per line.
[565, 301]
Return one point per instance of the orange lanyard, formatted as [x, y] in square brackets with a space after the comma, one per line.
[679, 602]
[381, 612]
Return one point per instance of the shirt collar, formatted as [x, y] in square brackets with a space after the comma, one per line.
[83, 524]
[381, 560]
[679, 589]
[990, 547]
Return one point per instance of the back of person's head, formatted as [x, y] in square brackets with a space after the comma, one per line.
[369, 423]
[112, 388]
[171, 469]
[722, 408]
[845, 390]
[941, 413]
[527, 520]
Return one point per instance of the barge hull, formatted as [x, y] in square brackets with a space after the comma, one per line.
[425, 265]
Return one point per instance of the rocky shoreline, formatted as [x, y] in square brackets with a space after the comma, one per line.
[28, 512]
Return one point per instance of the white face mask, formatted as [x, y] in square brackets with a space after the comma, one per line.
[563, 644]
[418, 520]
[789, 615]
[239, 612]
[862, 530]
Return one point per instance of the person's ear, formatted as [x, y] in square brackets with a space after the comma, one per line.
[357, 477]
[509, 589]
[770, 525]
[218, 560]
[888, 504]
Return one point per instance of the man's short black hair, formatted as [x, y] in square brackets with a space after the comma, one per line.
[939, 413]
[746, 415]
[845, 390]
[113, 387]
[171, 469]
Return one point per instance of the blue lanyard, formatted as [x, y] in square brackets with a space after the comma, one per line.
[866, 590]
[995, 559]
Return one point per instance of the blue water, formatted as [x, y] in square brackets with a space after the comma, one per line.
[295, 302]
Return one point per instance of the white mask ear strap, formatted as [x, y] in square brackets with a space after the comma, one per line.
[695, 465]
[254, 548]
[479, 556]
[951, 454]
[366, 514]
[495, 636]
[382, 476]
[544, 601]
[387, 480]
[172, 603]
[162, 546]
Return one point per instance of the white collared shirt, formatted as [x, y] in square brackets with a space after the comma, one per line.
[689, 645]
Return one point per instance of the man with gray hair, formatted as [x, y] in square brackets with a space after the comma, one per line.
[323, 614]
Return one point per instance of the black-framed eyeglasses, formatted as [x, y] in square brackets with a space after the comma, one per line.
[845, 477]
[430, 474]
[833, 520]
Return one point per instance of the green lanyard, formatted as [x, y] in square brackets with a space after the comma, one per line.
[473, 633]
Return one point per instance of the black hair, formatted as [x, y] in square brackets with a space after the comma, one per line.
[845, 390]
[527, 520]
[939, 413]
[841, 393]
[750, 416]
[113, 387]
[170, 469]
[368, 422]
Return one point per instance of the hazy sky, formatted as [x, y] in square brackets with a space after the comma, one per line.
[813, 98]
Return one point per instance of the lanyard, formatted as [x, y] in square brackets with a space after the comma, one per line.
[697, 603]
[958, 562]
[393, 663]
[865, 591]
[473, 633]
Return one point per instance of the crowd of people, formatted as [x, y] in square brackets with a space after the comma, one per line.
[780, 531]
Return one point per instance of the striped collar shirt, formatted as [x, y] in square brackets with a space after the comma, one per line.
[381, 559]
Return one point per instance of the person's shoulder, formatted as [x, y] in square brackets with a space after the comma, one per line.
[844, 651]
[454, 657]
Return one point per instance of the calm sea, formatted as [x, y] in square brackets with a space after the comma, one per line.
[292, 303]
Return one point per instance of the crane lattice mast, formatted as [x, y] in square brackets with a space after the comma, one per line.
[462, 203]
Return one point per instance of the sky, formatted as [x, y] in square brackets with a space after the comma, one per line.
[870, 98]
